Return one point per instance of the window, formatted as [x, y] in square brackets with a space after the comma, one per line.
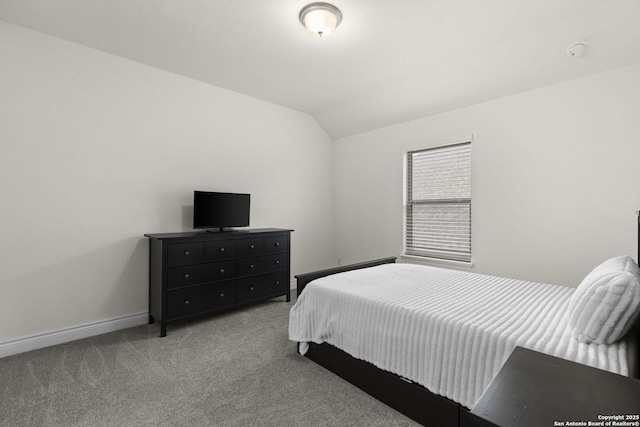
[438, 202]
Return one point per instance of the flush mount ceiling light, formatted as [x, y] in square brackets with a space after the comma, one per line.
[320, 18]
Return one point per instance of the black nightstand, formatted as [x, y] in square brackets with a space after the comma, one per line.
[537, 390]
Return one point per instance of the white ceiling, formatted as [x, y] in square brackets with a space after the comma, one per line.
[388, 61]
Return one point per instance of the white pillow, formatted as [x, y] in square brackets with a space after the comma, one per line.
[607, 302]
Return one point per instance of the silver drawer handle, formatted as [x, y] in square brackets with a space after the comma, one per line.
[187, 253]
[186, 302]
[252, 247]
[277, 243]
[221, 295]
[186, 276]
[251, 289]
[221, 249]
[277, 261]
[222, 271]
[251, 266]
[277, 282]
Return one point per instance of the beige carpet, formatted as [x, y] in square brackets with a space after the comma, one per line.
[233, 369]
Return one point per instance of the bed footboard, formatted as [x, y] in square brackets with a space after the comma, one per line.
[303, 279]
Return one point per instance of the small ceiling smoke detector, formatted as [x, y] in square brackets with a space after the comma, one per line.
[320, 18]
[577, 50]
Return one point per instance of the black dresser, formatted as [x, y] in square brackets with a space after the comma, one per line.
[196, 273]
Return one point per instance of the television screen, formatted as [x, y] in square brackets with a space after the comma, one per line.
[220, 210]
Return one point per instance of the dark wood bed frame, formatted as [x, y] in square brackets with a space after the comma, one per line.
[405, 396]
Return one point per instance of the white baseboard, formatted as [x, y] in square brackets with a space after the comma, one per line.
[34, 342]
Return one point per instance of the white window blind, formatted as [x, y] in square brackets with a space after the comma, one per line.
[438, 209]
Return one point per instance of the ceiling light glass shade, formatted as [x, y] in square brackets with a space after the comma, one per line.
[320, 18]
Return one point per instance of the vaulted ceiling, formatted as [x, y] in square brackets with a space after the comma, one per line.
[387, 62]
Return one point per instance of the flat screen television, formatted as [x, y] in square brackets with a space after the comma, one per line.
[216, 211]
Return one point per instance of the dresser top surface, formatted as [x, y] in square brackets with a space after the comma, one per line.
[535, 389]
[232, 234]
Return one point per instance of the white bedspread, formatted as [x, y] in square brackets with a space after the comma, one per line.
[447, 330]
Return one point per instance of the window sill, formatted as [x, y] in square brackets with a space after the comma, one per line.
[437, 262]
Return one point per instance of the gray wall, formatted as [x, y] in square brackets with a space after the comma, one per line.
[98, 150]
[555, 179]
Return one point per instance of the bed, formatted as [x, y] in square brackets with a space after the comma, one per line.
[427, 341]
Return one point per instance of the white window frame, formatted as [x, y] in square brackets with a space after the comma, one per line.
[435, 255]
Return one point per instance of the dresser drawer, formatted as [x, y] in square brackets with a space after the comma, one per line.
[248, 247]
[223, 270]
[262, 264]
[199, 299]
[277, 244]
[195, 274]
[250, 266]
[221, 249]
[185, 253]
[276, 262]
[256, 287]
